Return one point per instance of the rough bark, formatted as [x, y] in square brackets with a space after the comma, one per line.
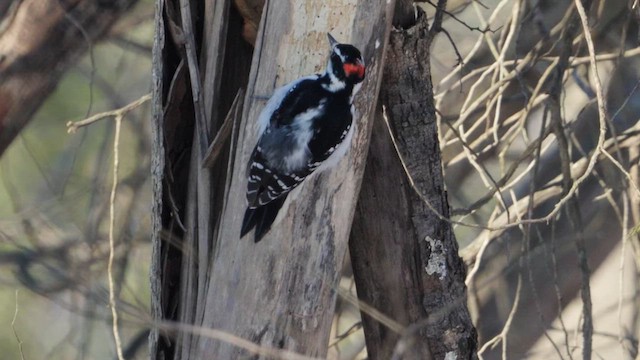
[405, 257]
[39, 40]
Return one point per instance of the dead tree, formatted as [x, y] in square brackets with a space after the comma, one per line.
[279, 293]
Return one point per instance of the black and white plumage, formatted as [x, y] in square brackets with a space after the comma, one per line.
[307, 125]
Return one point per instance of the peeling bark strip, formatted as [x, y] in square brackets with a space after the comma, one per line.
[405, 258]
[39, 40]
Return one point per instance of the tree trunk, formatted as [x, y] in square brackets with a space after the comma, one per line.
[279, 293]
[404, 256]
[39, 40]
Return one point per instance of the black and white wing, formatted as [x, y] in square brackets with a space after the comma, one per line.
[279, 161]
[302, 126]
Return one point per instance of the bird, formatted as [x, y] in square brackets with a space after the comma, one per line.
[306, 126]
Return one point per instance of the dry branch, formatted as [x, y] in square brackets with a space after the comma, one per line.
[73, 126]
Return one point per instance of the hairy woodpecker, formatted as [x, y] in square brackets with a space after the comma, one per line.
[305, 126]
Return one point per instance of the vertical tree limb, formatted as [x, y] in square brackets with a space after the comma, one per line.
[157, 177]
[405, 258]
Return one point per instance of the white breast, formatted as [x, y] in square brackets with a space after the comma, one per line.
[303, 132]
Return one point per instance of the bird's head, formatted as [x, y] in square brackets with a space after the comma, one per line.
[345, 62]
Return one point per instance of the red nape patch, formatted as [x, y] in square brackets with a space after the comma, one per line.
[351, 69]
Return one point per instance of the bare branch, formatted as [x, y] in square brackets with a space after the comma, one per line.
[72, 127]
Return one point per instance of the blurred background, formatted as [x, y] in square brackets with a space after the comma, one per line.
[519, 123]
[54, 205]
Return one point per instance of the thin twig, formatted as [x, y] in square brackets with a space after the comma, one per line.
[112, 219]
[588, 326]
[72, 126]
[371, 311]
[623, 255]
[460, 21]
[602, 112]
[623, 171]
[13, 327]
[502, 336]
[351, 330]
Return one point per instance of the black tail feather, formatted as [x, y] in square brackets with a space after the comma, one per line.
[268, 216]
[249, 221]
[261, 218]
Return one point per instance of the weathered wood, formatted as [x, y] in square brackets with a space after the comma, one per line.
[281, 292]
[187, 78]
[405, 258]
[39, 40]
[157, 174]
[187, 195]
[171, 127]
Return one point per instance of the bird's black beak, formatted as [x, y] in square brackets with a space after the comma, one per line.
[332, 42]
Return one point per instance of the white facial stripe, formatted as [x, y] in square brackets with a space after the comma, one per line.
[330, 68]
[335, 84]
[337, 51]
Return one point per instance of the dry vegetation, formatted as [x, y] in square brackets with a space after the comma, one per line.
[538, 126]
